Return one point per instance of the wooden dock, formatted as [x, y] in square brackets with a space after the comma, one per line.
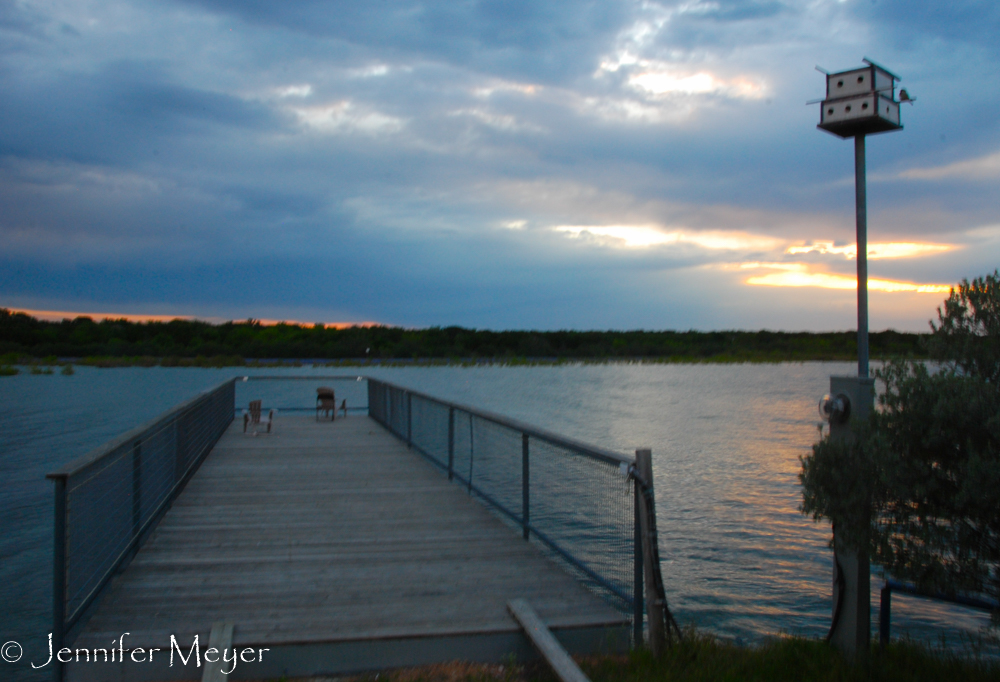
[337, 549]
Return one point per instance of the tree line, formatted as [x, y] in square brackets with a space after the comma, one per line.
[24, 336]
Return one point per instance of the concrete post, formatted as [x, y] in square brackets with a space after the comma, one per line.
[851, 571]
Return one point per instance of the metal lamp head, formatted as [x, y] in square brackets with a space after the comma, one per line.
[835, 409]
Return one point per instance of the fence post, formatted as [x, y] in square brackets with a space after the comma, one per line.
[884, 615]
[409, 419]
[525, 486]
[451, 443]
[59, 576]
[637, 568]
[654, 609]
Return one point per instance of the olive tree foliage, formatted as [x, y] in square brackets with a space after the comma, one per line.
[918, 485]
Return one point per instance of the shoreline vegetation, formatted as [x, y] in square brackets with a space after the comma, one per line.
[25, 340]
[700, 657]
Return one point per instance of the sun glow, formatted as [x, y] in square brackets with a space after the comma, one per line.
[799, 275]
[641, 236]
[876, 250]
[660, 82]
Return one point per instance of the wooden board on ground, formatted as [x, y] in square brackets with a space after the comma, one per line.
[562, 665]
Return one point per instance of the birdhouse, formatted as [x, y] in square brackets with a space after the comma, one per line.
[860, 102]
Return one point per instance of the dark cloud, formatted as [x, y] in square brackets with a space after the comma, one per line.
[19, 19]
[727, 25]
[122, 112]
[911, 23]
[544, 41]
[741, 10]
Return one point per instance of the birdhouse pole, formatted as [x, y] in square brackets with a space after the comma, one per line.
[858, 103]
[861, 102]
[861, 221]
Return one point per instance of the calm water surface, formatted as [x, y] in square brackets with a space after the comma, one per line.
[739, 558]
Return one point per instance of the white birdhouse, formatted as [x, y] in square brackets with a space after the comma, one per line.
[860, 102]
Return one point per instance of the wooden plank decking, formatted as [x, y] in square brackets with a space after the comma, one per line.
[339, 549]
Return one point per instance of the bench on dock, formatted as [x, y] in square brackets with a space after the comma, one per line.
[252, 418]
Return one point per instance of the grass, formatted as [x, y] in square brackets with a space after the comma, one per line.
[703, 658]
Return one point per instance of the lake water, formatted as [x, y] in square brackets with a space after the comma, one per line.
[739, 559]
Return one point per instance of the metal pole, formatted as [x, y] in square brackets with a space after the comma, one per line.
[59, 576]
[637, 598]
[525, 485]
[409, 419]
[861, 210]
[884, 615]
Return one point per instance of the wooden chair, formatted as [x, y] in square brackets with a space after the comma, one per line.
[326, 402]
[251, 417]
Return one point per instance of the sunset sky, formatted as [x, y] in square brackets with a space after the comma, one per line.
[503, 164]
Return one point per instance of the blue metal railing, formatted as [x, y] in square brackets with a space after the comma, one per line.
[576, 499]
[108, 501]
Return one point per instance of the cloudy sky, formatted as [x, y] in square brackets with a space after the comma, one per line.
[495, 163]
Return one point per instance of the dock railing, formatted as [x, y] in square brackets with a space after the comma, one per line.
[577, 500]
[891, 585]
[107, 501]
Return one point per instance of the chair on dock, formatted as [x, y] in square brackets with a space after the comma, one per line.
[251, 418]
[326, 402]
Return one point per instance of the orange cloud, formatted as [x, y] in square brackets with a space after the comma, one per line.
[876, 250]
[799, 275]
[59, 315]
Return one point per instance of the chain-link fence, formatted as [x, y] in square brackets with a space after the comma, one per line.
[109, 500]
[575, 499]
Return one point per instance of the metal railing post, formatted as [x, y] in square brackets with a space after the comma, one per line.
[451, 443]
[637, 569]
[59, 576]
[884, 615]
[409, 419]
[525, 486]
